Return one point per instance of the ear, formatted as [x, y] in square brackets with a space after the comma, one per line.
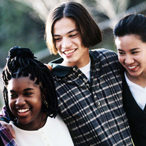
[44, 94]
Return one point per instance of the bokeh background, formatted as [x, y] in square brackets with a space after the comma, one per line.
[22, 23]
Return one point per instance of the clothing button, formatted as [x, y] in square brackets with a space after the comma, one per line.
[79, 75]
[84, 80]
[74, 69]
[95, 96]
[98, 103]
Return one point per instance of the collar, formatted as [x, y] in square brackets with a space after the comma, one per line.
[62, 71]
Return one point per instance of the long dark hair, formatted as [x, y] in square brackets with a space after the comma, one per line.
[22, 63]
[131, 24]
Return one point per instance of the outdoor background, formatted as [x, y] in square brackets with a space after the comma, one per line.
[22, 23]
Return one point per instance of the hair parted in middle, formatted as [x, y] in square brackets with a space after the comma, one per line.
[22, 63]
[89, 30]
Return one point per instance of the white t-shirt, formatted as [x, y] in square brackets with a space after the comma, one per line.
[86, 70]
[53, 133]
[138, 92]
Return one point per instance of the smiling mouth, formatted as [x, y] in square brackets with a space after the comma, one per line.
[132, 67]
[22, 110]
[69, 51]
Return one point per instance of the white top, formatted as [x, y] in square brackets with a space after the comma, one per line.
[53, 133]
[138, 92]
[86, 70]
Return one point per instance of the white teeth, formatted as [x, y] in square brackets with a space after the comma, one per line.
[132, 67]
[22, 110]
[70, 51]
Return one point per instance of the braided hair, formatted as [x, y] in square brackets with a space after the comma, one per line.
[21, 62]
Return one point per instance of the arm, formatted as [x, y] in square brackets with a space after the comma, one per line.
[4, 121]
[6, 137]
[4, 116]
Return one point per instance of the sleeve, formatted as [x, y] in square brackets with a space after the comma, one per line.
[4, 116]
[1, 142]
[6, 137]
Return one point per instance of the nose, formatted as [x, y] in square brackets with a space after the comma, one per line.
[128, 59]
[20, 101]
[66, 42]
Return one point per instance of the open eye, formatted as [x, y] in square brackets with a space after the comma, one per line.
[28, 94]
[13, 96]
[121, 53]
[134, 52]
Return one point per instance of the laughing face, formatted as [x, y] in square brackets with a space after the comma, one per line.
[132, 55]
[68, 43]
[25, 102]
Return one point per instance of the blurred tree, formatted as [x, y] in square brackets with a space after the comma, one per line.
[100, 9]
[20, 26]
[105, 12]
[42, 7]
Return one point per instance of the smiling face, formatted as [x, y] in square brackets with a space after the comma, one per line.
[132, 55]
[68, 42]
[25, 102]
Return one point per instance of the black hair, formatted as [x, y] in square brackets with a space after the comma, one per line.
[131, 24]
[21, 62]
[90, 32]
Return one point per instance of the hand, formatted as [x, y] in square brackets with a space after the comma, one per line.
[49, 66]
[9, 127]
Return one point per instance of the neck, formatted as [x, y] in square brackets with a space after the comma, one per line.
[34, 125]
[81, 63]
[141, 81]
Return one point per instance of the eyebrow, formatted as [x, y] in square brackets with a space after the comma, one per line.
[130, 50]
[68, 32]
[134, 49]
[27, 89]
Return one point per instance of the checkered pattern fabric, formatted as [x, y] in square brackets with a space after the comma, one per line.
[6, 138]
[93, 111]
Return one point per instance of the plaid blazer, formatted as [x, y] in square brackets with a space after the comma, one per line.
[93, 111]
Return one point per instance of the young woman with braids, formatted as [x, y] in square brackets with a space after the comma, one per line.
[31, 103]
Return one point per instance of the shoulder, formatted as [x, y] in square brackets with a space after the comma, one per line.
[102, 51]
[104, 54]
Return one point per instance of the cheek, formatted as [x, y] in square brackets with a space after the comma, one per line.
[120, 59]
[11, 104]
[37, 102]
[57, 45]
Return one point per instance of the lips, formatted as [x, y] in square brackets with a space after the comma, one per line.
[67, 52]
[22, 110]
[132, 68]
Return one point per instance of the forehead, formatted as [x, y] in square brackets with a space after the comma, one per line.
[21, 82]
[128, 40]
[64, 26]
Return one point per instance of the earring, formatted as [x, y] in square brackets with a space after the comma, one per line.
[45, 103]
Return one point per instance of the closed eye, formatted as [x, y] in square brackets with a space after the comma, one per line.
[73, 35]
[57, 39]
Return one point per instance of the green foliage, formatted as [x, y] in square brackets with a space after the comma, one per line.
[19, 28]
